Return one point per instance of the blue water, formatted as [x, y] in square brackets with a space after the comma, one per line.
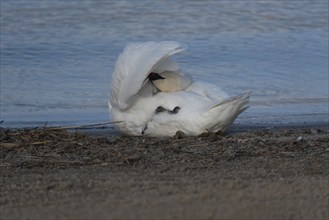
[57, 57]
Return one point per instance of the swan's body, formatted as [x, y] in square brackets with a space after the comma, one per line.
[174, 103]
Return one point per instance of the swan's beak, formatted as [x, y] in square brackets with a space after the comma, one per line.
[154, 76]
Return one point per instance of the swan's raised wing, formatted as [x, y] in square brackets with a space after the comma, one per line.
[135, 63]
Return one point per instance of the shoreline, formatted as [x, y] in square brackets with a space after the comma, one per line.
[247, 119]
[249, 172]
[235, 128]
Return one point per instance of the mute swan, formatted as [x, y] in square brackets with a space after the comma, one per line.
[151, 96]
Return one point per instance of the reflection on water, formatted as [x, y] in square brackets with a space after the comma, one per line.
[57, 56]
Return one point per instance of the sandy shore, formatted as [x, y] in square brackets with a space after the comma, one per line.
[243, 174]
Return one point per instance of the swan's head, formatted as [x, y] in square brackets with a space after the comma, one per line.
[170, 81]
[155, 76]
[164, 82]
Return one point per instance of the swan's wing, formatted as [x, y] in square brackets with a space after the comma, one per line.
[133, 66]
[242, 99]
[209, 91]
[227, 111]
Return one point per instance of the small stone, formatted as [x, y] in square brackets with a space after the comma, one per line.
[179, 135]
[3, 134]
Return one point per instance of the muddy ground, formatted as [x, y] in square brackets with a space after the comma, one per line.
[247, 174]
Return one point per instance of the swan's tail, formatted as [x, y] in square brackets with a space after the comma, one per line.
[227, 111]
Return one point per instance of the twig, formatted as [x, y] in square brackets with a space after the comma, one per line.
[50, 160]
[45, 125]
[82, 126]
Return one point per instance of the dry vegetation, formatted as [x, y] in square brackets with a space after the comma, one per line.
[42, 147]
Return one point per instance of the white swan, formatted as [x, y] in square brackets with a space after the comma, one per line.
[151, 96]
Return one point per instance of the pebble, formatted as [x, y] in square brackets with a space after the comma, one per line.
[3, 134]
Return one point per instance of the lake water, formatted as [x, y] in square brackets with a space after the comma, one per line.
[57, 57]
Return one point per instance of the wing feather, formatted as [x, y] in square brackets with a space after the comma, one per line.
[133, 66]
